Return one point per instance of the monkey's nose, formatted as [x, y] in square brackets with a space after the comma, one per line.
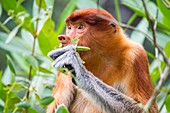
[61, 37]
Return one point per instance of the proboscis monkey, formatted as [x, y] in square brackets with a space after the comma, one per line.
[114, 78]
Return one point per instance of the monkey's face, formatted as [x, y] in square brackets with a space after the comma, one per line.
[76, 29]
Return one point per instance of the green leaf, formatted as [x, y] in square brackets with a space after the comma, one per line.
[46, 100]
[42, 5]
[31, 60]
[13, 99]
[25, 105]
[14, 46]
[161, 37]
[62, 109]
[21, 16]
[10, 64]
[0, 9]
[165, 11]
[68, 9]
[44, 70]
[137, 6]
[75, 41]
[37, 97]
[82, 48]
[1, 84]
[167, 103]
[62, 70]
[167, 51]
[31, 110]
[16, 87]
[47, 38]
[137, 36]
[12, 34]
[82, 4]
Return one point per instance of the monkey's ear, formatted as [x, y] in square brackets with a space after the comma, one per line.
[113, 25]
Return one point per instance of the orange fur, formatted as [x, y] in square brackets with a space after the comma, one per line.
[113, 58]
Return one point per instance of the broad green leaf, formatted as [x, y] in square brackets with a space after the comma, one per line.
[14, 8]
[155, 74]
[82, 4]
[47, 38]
[165, 11]
[167, 103]
[161, 37]
[62, 109]
[137, 6]
[66, 12]
[137, 36]
[12, 34]
[14, 46]
[1, 85]
[31, 60]
[41, 3]
[44, 70]
[25, 105]
[7, 76]
[10, 64]
[32, 110]
[0, 9]
[37, 97]
[16, 87]
[167, 49]
[46, 100]
[13, 99]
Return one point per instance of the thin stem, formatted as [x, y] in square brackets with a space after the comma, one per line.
[157, 90]
[153, 28]
[117, 9]
[164, 75]
[33, 48]
[150, 39]
[4, 28]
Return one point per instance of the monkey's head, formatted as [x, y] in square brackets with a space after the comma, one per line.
[95, 28]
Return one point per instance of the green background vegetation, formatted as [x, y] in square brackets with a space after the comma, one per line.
[29, 30]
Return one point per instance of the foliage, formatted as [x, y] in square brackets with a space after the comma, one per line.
[26, 83]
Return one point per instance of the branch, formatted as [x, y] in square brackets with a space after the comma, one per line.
[150, 39]
[164, 75]
[163, 78]
[153, 28]
[33, 47]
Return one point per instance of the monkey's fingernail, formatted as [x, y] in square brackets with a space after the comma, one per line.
[61, 37]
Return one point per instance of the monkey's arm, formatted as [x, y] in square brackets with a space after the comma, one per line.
[63, 93]
[108, 98]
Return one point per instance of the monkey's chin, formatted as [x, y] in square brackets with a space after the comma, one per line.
[85, 55]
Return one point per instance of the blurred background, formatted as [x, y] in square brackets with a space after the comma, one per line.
[29, 30]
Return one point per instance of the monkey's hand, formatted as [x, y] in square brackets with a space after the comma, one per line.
[107, 97]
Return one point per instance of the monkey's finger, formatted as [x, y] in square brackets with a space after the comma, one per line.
[58, 52]
[64, 59]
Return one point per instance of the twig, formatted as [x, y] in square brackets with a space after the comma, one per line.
[163, 78]
[33, 47]
[149, 38]
[153, 28]
[164, 75]
[117, 9]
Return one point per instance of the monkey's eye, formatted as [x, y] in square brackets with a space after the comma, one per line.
[80, 26]
[69, 27]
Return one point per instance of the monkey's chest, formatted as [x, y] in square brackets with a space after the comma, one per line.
[83, 104]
